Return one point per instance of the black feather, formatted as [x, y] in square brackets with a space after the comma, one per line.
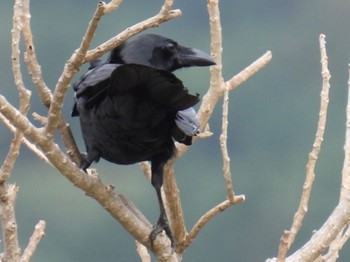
[127, 107]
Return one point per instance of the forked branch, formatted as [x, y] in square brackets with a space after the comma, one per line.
[343, 236]
[288, 237]
[217, 89]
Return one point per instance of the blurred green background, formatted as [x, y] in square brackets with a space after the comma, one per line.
[273, 119]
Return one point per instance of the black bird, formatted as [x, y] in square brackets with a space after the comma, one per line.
[132, 108]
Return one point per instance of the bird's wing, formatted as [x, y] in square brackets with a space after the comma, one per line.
[91, 80]
[161, 87]
[93, 85]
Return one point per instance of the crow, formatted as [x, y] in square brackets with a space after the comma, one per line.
[132, 108]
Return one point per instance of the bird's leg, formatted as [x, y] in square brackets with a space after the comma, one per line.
[162, 223]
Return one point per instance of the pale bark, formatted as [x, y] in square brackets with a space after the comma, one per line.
[41, 140]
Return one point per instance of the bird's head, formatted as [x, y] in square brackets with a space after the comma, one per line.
[159, 52]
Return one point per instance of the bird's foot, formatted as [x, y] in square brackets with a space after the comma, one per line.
[84, 163]
[161, 225]
[87, 159]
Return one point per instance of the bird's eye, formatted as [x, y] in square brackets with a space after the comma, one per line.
[170, 47]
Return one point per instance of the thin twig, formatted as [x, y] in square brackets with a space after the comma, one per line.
[8, 192]
[208, 216]
[25, 141]
[224, 150]
[211, 97]
[288, 237]
[44, 92]
[164, 15]
[322, 238]
[143, 252]
[249, 71]
[34, 241]
[216, 79]
[217, 82]
[111, 6]
[345, 185]
[70, 68]
[30, 58]
[24, 94]
[216, 91]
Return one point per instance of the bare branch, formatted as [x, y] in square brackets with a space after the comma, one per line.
[217, 86]
[19, 121]
[70, 68]
[289, 236]
[33, 66]
[336, 245]
[217, 82]
[8, 192]
[343, 236]
[321, 239]
[11, 157]
[164, 15]
[139, 225]
[111, 6]
[8, 195]
[44, 92]
[208, 216]
[24, 94]
[211, 97]
[146, 168]
[249, 71]
[224, 151]
[173, 205]
[76, 60]
[142, 251]
[69, 142]
[119, 207]
[25, 141]
[34, 241]
[345, 185]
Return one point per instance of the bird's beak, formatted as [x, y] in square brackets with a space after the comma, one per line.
[193, 57]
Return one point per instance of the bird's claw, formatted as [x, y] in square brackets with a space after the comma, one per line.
[158, 228]
[84, 163]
